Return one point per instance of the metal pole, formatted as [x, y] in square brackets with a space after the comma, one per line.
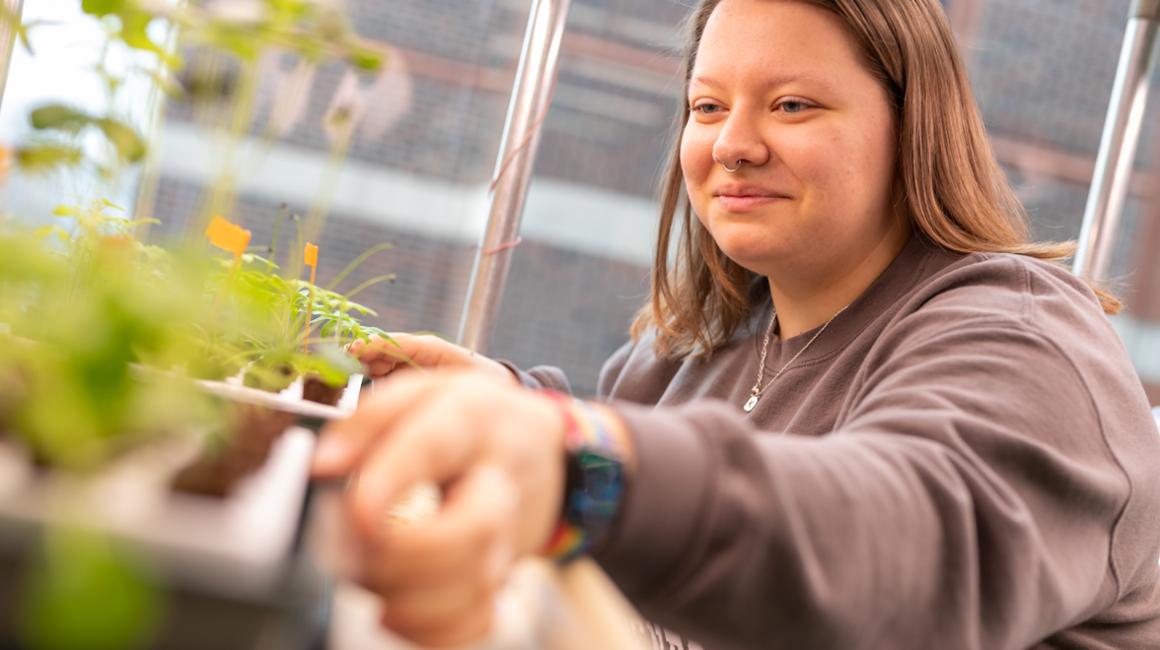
[12, 11]
[531, 95]
[1118, 147]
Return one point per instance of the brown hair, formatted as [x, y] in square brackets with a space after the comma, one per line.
[952, 189]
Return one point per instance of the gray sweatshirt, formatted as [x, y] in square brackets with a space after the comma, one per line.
[965, 458]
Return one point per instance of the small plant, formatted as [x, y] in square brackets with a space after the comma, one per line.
[80, 310]
[307, 326]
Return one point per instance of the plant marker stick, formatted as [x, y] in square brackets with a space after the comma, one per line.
[310, 258]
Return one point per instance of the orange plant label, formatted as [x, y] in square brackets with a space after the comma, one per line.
[310, 258]
[228, 236]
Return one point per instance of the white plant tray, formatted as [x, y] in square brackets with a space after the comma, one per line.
[237, 545]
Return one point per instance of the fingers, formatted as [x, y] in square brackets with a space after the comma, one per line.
[468, 541]
[439, 579]
[382, 355]
[495, 448]
[379, 368]
[433, 444]
[431, 429]
[379, 356]
[342, 444]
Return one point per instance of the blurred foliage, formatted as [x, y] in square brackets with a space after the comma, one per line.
[101, 333]
[82, 306]
[86, 594]
[99, 337]
[315, 30]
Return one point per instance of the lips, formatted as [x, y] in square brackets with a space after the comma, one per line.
[742, 198]
[747, 191]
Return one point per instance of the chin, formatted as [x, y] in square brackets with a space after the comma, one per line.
[749, 243]
[750, 257]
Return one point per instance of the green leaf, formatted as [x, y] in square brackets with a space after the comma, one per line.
[368, 332]
[366, 60]
[357, 262]
[22, 33]
[263, 263]
[42, 158]
[102, 8]
[332, 364]
[379, 279]
[130, 147]
[59, 117]
[135, 34]
[11, 19]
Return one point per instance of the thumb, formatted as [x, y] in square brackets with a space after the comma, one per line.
[415, 350]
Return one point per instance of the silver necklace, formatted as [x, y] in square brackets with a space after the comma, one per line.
[758, 387]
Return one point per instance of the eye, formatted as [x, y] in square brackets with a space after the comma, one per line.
[794, 106]
[706, 108]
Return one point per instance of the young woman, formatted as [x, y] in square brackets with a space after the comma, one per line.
[862, 411]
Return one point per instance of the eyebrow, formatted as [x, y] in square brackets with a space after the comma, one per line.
[772, 82]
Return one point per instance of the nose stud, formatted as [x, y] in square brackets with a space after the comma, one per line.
[727, 168]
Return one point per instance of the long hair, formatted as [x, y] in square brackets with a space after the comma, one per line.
[952, 189]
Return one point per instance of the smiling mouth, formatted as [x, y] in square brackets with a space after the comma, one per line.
[742, 203]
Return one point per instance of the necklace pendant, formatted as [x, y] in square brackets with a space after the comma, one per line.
[750, 403]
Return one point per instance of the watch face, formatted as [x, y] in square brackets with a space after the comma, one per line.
[595, 486]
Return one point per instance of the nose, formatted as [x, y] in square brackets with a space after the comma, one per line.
[740, 143]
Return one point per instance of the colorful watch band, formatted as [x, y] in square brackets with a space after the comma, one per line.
[594, 482]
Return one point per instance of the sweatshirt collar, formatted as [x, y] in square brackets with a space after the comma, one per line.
[907, 270]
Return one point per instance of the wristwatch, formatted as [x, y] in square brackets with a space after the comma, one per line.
[594, 481]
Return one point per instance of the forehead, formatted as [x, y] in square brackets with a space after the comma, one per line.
[773, 41]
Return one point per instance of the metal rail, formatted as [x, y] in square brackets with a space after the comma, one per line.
[1105, 205]
[531, 95]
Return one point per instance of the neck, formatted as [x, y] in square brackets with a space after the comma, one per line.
[804, 302]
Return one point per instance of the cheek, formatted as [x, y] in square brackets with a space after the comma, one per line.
[877, 152]
[696, 158]
[870, 172]
[850, 173]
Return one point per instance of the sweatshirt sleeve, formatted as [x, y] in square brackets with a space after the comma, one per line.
[553, 378]
[611, 371]
[540, 377]
[966, 500]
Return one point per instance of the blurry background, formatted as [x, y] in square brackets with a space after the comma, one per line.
[418, 172]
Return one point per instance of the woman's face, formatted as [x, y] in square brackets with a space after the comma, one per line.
[779, 88]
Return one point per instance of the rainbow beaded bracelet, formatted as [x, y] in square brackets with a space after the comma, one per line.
[594, 480]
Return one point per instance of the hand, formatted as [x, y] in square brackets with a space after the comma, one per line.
[496, 449]
[383, 356]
